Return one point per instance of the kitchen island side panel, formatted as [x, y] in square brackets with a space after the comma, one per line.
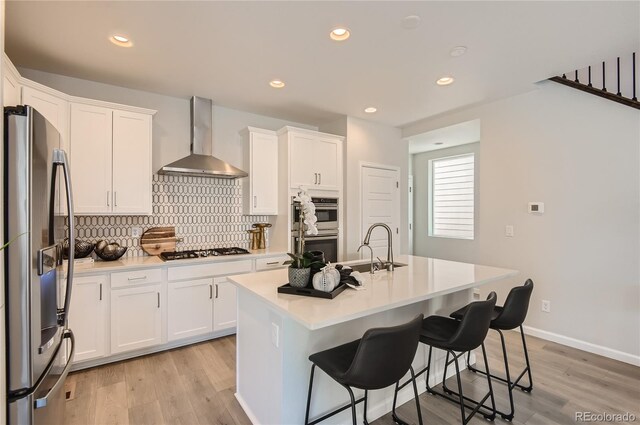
[272, 381]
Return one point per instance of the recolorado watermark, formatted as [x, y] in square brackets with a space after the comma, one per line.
[605, 417]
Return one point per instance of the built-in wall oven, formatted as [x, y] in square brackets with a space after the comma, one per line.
[326, 212]
[327, 238]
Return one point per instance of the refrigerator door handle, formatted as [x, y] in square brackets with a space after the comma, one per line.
[42, 402]
[60, 159]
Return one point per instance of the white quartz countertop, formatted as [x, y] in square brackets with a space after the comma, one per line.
[422, 279]
[146, 261]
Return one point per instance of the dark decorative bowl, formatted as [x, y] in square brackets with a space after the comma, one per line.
[109, 251]
[82, 249]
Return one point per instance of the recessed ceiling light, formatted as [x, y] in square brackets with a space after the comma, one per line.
[458, 51]
[370, 110]
[276, 84]
[121, 40]
[444, 81]
[410, 22]
[339, 34]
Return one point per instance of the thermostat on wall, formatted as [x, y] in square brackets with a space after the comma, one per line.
[536, 207]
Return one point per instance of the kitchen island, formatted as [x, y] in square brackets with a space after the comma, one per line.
[276, 333]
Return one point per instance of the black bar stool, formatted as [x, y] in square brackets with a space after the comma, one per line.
[460, 336]
[506, 318]
[381, 358]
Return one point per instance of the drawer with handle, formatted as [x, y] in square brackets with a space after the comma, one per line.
[137, 277]
[271, 262]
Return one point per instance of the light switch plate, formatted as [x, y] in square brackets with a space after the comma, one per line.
[509, 231]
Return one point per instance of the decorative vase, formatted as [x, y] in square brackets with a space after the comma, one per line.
[299, 278]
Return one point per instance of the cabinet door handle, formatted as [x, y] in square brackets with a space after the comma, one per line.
[315, 176]
[108, 193]
[273, 263]
[137, 278]
[101, 292]
[115, 198]
[158, 299]
[319, 178]
[216, 290]
[210, 292]
[255, 200]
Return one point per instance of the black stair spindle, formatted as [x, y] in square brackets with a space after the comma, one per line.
[634, 76]
[590, 85]
[604, 79]
[618, 70]
[576, 80]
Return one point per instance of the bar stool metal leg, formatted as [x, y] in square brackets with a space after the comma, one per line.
[306, 416]
[353, 404]
[366, 398]
[460, 398]
[394, 415]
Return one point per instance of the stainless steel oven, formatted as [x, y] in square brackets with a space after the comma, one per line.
[325, 241]
[326, 212]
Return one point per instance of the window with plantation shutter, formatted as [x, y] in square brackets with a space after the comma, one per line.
[452, 200]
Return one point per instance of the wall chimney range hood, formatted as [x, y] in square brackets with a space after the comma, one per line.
[201, 163]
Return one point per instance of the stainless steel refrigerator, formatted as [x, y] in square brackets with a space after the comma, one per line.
[38, 216]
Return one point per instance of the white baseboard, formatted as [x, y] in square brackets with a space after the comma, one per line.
[584, 345]
[247, 411]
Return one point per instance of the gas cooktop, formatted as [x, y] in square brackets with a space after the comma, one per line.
[202, 253]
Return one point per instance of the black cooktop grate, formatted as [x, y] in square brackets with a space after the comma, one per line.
[202, 253]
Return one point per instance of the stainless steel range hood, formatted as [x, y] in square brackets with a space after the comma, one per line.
[201, 163]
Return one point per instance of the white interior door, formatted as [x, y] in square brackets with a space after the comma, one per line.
[380, 204]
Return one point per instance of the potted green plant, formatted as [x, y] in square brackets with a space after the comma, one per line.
[300, 264]
[300, 269]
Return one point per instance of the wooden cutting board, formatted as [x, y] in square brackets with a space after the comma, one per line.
[158, 239]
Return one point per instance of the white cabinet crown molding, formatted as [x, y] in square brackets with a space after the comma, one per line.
[10, 67]
[247, 130]
[288, 128]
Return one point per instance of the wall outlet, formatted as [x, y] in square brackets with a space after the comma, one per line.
[546, 306]
[136, 232]
[509, 231]
[275, 335]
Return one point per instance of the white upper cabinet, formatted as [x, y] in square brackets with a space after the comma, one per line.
[91, 159]
[110, 160]
[302, 161]
[260, 189]
[131, 162]
[315, 159]
[54, 108]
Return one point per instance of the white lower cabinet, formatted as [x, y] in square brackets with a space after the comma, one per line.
[88, 316]
[225, 309]
[136, 318]
[190, 308]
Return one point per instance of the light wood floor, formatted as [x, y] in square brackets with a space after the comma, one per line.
[195, 385]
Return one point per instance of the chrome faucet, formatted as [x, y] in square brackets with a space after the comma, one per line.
[389, 262]
[373, 267]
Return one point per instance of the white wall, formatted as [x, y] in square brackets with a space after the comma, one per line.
[171, 124]
[579, 154]
[376, 143]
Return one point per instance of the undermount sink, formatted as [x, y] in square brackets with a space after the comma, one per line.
[366, 267]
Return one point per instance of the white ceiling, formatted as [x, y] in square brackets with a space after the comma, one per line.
[446, 137]
[229, 51]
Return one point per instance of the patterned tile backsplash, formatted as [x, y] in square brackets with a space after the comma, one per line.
[206, 212]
